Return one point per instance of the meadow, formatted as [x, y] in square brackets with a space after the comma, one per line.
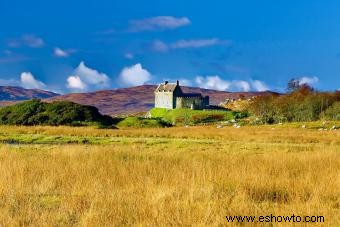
[80, 176]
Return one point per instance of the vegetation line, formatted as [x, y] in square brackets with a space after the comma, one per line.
[42, 139]
[29, 139]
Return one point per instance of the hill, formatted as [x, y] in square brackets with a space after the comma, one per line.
[10, 93]
[140, 99]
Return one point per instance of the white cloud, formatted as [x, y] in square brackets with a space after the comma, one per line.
[75, 83]
[216, 83]
[84, 78]
[158, 23]
[197, 43]
[185, 82]
[308, 80]
[160, 46]
[33, 41]
[241, 85]
[134, 75]
[58, 52]
[27, 40]
[259, 85]
[212, 82]
[27, 80]
[91, 76]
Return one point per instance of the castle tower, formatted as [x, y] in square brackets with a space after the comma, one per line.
[166, 94]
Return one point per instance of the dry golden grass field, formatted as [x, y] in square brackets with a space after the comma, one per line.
[61, 176]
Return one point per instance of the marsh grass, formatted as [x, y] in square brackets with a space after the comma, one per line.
[176, 176]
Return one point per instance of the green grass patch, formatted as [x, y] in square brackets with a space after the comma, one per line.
[193, 117]
[138, 122]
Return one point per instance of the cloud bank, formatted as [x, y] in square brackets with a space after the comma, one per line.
[212, 82]
[217, 83]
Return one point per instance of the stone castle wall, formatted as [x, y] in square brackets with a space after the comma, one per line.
[196, 103]
[164, 100]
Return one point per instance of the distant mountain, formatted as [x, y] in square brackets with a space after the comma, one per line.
[9, 93]
[141, 98]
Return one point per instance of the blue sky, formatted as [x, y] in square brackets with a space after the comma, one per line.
[75, 46]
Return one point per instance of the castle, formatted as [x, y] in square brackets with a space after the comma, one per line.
[170, 96]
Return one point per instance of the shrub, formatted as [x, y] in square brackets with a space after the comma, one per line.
[301, 105]
[333, 112]
[35, 112]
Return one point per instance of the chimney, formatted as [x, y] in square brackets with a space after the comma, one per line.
[166, 82]
[177, 82]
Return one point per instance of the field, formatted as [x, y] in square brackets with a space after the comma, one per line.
[64, 176]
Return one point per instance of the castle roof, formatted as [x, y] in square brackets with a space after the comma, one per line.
[166, 87]
[191, 95]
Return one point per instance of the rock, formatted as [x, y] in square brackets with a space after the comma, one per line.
[236, 126]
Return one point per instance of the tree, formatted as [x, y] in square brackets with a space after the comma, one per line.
[36, 112]
[296, 85]
[293, 85]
